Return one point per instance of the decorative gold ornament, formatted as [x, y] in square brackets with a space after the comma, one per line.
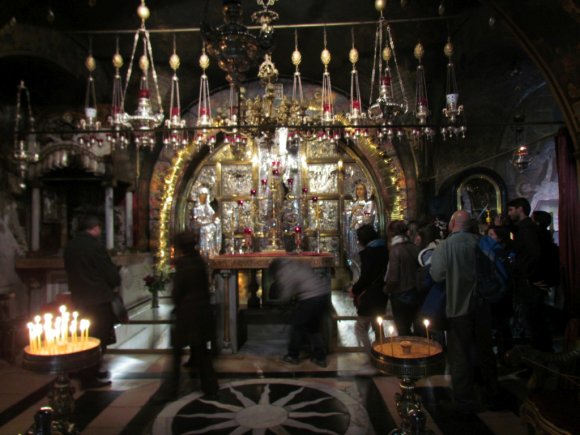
[419, 51]
[353, 55]
[325, 57]
[204, 61]
[90, 63]
[296, 57]
[143, 12]
[144, 63]
[387, 53]
[117, 61]
[448, 49]
[174, 62]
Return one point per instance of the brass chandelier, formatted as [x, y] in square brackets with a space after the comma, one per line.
[236, 50]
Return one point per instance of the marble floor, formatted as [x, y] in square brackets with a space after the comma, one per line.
[259, 394]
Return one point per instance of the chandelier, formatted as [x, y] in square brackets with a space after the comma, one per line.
[236, 49]
[25, 144]
[521, 158]
[175, 135]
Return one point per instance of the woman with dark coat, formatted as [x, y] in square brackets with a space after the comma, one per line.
[369, 298]
[192, 313]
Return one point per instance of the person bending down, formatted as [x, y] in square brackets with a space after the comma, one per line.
[298, 280]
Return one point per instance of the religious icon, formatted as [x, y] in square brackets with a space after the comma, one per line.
[360, 211]
[206, 222]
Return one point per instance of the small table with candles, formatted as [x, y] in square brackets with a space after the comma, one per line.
[59, 347]
[408, 358]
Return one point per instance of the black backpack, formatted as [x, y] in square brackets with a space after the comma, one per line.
[492, 273]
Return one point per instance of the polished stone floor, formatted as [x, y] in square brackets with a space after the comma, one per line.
[259, 393]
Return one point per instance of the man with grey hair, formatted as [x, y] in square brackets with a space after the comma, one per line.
[468, 316]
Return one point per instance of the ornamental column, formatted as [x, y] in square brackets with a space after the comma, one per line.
[35, 224]
[109, 218]
[129, 219]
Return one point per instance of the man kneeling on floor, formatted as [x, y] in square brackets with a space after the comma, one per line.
[295, 279]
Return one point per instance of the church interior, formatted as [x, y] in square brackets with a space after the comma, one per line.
[274, 129]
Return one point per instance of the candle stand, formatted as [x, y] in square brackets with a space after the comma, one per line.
[410, 359]
[61, 399]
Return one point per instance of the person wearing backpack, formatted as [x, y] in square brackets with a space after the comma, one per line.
[468, 317]
[529, 294]
[502, 310]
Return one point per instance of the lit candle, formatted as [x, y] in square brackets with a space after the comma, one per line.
[73, 331]
[56, 331]
[31, 338]
[47, 328]
[64, 326]
[380, 325]
[391, 331]
[426, 323]
[38, 331]
[87, 331]
[83, 327]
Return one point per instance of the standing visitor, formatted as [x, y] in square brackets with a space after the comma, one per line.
[369, 298]
[92, 279]
[529, 291]
[401, 277]
[468, 316]
[192, 314]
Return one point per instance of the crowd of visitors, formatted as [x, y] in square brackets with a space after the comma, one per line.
[434, 272]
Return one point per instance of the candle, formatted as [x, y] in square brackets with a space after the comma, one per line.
[31, 338]
[426, 323]
[58, 332]
[391, 330]
[73, 331]
[380, 325]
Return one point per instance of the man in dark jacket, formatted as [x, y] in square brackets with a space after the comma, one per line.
[527, 271]
[193, 313]
[92, 279]
[369, 298]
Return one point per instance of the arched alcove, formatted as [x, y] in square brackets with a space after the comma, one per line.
[327, 170]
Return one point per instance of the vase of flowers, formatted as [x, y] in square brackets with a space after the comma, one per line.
[157, 281]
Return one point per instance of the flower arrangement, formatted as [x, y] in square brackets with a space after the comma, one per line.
[161, 276]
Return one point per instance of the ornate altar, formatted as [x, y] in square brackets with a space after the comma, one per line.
[226, 268]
